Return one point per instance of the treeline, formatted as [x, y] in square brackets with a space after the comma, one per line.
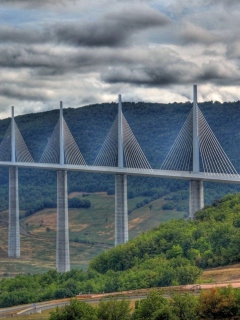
[211, 304]
[78, 203]
[53, 285]
[90, 133]
[44, 204]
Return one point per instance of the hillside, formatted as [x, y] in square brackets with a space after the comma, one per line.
[209, 241]
[174, 253]
[90, 125]
[90, 231]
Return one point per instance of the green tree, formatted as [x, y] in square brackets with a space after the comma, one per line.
[76, 310]
[154, 307]
[184, 306]
[114, 310]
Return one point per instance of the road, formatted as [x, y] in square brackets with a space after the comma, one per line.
[95, 298]
[158, 173]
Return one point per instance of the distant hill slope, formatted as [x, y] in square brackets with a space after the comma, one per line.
[155, 127]
[90, 231]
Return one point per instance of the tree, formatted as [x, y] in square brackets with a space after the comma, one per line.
[154, 307]
[75, 310]
[114, 310]
[217, 304]
[185, 306]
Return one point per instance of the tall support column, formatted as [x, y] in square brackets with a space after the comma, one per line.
[196, 191]
[62, 258]
[13, 225]
[121, 208]
[196, 197]
[63, 261]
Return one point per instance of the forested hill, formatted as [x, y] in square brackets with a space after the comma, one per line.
[211, 240]
[155, 127]
[174, 253]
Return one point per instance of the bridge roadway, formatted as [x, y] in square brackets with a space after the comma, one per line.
[157, 173]
[132, 295]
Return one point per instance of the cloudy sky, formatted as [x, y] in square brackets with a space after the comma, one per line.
[88, 51]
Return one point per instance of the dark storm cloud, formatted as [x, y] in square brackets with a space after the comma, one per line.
[168, 69]
[23, 36]
[113, 29]
[164, 67]
[19, 57]
[171, 69]
[14, 92]
[218, 72]
[44, 61]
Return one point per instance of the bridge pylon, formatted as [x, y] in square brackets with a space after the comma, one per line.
[13, 225]
[121, 207]
[62, 149]
[62, 253]
[196, 190]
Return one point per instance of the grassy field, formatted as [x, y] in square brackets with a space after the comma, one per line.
[229, 273]
[90, 231]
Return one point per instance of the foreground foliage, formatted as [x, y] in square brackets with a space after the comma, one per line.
[211, 304]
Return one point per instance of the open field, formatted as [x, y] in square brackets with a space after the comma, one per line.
[90, 231]
[229, 273]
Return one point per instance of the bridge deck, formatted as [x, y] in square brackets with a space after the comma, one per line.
[171, 174]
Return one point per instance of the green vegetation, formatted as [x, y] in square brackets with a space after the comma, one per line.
[52, 285]
[106, 310]
[172, 254]
[213, 239]
[211, 304]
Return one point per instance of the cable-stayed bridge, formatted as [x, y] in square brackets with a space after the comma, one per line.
[196, 155]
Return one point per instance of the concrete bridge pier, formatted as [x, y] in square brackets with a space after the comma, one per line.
[13, 226]
[196, 197]
[63, 260]
[121, 209]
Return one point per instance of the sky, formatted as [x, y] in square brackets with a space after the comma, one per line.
[88, 51]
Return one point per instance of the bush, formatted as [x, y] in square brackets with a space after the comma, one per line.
[168, 206]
